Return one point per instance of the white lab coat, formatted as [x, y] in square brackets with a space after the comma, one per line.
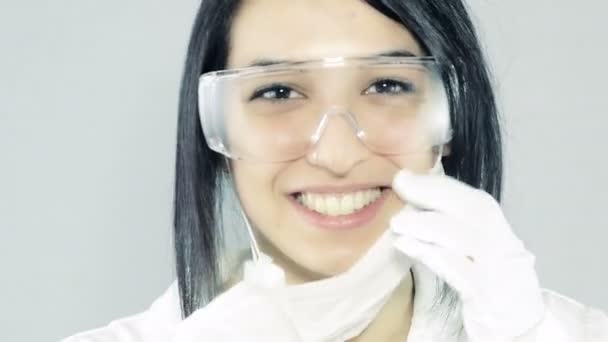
[565, 320]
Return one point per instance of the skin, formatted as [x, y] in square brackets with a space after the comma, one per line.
[312, 29]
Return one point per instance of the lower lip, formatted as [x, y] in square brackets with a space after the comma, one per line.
[342, 222]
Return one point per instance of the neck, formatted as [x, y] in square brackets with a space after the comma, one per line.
[393, 321]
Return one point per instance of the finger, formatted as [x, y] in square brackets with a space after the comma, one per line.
[439, 229]
[453, 268]
[442, 193]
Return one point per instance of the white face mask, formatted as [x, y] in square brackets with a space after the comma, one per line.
[340, 307]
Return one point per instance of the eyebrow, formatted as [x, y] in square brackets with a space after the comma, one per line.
[270, 61]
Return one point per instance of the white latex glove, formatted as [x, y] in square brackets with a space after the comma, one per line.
[460, 234]
[245, 312]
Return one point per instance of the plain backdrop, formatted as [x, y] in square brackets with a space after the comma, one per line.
[88, 97]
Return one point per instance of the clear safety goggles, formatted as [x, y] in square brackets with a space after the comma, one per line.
[277, 113]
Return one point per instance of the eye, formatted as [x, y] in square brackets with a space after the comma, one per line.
[390, 87]
[275, 92]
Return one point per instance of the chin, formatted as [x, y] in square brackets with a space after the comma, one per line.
[314, 260]
[334, 264]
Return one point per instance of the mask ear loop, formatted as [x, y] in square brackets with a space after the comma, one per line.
[259, 271]
[437, 168]
[253, 244]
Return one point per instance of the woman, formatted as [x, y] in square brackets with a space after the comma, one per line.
[333, 126]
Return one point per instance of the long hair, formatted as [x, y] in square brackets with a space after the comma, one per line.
[445, 31]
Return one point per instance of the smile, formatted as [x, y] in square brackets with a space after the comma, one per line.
[338, 208]
[339, 204]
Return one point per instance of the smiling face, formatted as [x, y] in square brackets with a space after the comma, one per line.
[318, 214]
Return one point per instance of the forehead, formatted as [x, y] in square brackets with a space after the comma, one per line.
[312, 29]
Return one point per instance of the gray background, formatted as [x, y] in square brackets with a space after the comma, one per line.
[88, 94]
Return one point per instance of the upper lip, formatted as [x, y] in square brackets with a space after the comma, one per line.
[338, 189]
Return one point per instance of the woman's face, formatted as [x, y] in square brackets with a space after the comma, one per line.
[307, 244]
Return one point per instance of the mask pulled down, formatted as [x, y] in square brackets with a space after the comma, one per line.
[336, 308]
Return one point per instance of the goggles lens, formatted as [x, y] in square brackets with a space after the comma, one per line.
[396, 106]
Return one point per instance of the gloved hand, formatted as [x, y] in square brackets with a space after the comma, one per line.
[248, 311]
[461, 235]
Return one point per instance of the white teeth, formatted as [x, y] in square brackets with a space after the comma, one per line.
[319, 205]
[342, 204]
[333, 205]
[347, 203]
[359, 200]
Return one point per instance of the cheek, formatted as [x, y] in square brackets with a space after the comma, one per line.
[418, 163]
[256, 187]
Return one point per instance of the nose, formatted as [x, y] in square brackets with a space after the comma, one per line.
[336, 144]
